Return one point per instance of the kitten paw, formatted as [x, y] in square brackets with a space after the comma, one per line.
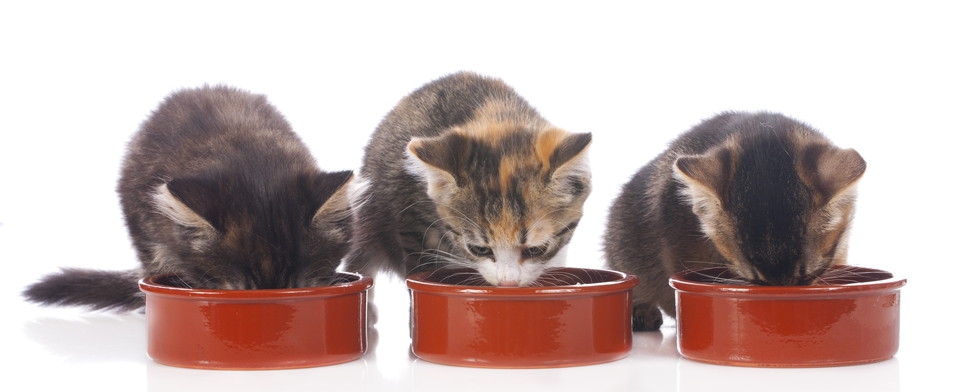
[646, 317]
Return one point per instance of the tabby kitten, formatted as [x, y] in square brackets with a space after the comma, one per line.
[465, 172]
[216, 188]
[763, 194]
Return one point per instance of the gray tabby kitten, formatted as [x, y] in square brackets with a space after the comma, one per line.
[765, 195]
[464, 172]
[217, 189]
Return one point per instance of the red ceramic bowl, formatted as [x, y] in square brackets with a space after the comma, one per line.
[577, 317]
[256, 329]
[851, 317]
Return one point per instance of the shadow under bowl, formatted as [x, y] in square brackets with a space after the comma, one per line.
[575, 317]
[851, 317]
[256, 329]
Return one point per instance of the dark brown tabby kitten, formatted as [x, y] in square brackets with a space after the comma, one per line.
[217, 189]
[465, 172]
[765, 195]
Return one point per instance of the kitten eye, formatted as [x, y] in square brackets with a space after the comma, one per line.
[534, 251]
[480, 251]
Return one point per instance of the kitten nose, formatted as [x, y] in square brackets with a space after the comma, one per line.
[508, 266]
[508, 274]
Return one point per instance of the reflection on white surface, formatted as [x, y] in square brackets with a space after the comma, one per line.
[880, 377]
[347, 376]
[95, 338]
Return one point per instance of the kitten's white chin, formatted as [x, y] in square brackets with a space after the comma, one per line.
[510, 272]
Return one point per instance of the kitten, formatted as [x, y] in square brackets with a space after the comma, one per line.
[765, 195]
[465, 172]
[216, 188]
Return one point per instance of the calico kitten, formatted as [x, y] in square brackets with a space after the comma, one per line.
[216, 188]
[763, 194]
[465, 172]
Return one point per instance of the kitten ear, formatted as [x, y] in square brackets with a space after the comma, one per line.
[564, 156]
[705, 178]
[441, 161]
[560, 148]
[187, 202]
[332, 218]
[705, 172]
[333, 193]
[830, 170]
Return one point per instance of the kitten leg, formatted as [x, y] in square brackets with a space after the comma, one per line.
[652, 294]
[646, 317]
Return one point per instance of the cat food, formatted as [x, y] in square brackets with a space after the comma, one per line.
[850, 316]
[571, 317]
[256, 329]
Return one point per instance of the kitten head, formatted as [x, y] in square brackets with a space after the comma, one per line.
[776, 203]
[510, 197]
[235, 235]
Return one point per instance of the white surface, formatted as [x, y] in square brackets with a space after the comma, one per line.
[77, 78]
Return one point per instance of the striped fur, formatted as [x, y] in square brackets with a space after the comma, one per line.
[763, 194]
[464, 172]
[217, 189]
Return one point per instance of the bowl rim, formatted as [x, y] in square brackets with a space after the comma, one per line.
[681, 283]
[418, 282]
[150, 286]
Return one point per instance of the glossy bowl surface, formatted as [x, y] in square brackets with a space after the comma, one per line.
[578, 317]
[851, 317]
[256, 329]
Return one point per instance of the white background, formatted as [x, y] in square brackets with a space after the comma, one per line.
[77, 78]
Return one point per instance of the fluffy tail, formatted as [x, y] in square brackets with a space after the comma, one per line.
[95, 289]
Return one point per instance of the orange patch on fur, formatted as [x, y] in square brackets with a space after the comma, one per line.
[508, 167]
[506, 231]
[547, 143]
[488, 131]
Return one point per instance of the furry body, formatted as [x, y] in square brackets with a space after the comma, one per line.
[761, 193]
[216, 188]
[464, 172]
